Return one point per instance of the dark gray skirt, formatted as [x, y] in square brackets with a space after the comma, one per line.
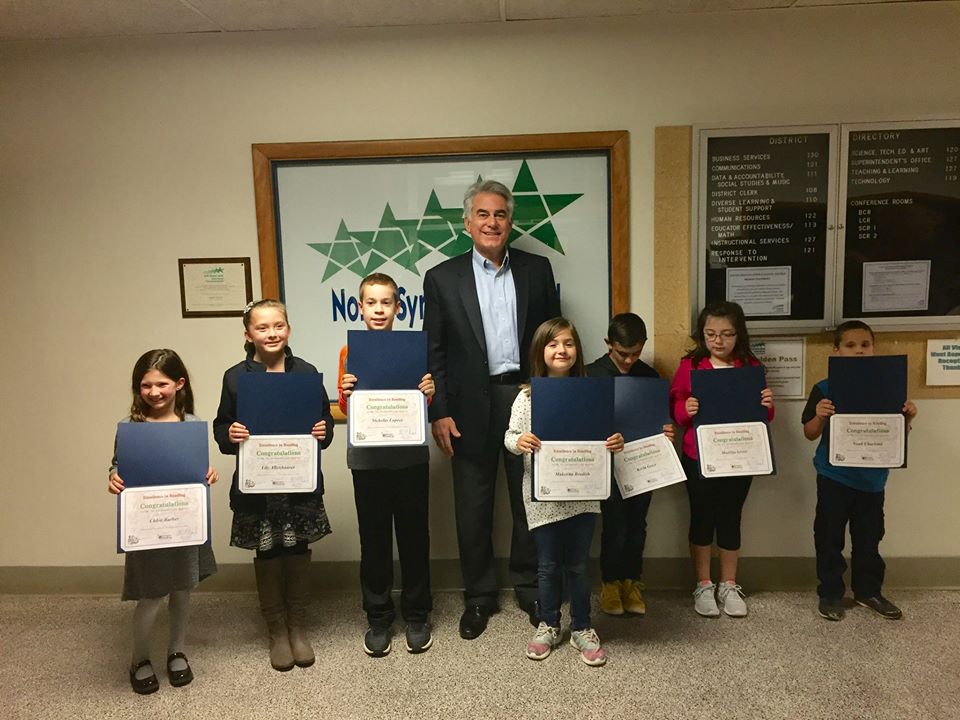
[155, 573]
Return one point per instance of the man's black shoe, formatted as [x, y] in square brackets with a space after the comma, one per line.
[831, 608]
[473, 622]
[881, 606]
[532, 609]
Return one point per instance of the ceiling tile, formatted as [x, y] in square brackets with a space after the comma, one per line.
[34, 19]
[306, 14]
[544, 9]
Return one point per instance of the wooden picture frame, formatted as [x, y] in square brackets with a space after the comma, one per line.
[211, 287]
[275, 162]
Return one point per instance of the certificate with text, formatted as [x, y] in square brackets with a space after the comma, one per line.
[647, 464]
[385, 418]
[571, 470]
[870, 441]
[731, 449]
[163, 516]
[278, 464]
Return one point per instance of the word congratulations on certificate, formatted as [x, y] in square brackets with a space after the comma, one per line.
[877, 441]
[729, 449]
[572, 471]
[163, 516]
[647, 464]
[278, 464]
[387, 418]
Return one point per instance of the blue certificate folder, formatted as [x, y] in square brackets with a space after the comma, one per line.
[279, 403]
[572, 409]
[381, 360]
[868, 385]
[641, 406]
[730, 395]
[172, 453]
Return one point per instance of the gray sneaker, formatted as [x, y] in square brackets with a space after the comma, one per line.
[419, 637]
[587, 642]
[704, 601]
[730, 598]
[545, 639]
[378, 641]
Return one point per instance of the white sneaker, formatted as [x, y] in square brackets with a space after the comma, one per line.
[545, 639]
[704, 602]
[730, 597]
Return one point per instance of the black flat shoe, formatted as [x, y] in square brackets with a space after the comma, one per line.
[148, 685]
[473, 622]
[179, 678]
[532, 609]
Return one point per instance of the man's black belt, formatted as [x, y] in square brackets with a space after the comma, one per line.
[507, 378]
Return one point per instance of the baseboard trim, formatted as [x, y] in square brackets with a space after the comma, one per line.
[755, 573]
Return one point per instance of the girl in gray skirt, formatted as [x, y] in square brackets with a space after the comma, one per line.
[161, 393]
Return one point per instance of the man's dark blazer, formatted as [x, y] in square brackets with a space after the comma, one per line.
[457, 348]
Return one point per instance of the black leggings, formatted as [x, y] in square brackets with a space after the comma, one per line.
[715, 506]
[279, 551]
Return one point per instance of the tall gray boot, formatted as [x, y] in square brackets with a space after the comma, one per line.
[296, 571]
[270, 589]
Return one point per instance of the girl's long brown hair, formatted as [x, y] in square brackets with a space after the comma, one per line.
[170, 364]
[548, 330]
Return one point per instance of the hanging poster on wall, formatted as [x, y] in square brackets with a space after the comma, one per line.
[901, 201]
[765, 230]
[331, 213]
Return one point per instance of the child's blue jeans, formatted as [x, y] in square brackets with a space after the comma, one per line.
[563, 554]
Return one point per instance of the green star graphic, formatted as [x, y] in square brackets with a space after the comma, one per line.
[407, 241]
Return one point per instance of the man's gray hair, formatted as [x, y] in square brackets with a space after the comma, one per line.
[487, 186]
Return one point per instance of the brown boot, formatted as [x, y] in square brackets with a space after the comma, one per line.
[270, 589]
[296, 577]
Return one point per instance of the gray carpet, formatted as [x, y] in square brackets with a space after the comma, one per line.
[66, 657]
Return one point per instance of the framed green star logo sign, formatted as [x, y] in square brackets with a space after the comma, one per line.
[330, 213]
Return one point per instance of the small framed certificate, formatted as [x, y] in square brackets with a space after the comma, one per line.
[278, 464]
[163, 516]
[571, 470]
[730, 449]
[647, 464]
[869, 441]
[214, 287]
[386, 418]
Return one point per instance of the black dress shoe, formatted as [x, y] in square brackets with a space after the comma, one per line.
[147, 685]
[179, 678]
[473, 622]
[532, 609]
[881, 606]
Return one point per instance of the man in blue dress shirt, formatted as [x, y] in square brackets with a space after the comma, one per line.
[481, 310]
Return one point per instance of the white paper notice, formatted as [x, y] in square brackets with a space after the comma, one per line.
[783, 360]
[760, 290]
[896, 286]
[943, 362]
[214, 287]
